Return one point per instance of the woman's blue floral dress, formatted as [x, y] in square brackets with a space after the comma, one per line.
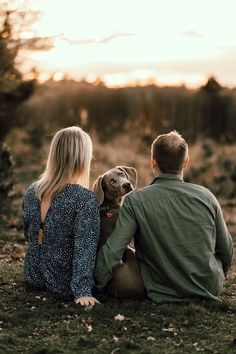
[65, 260]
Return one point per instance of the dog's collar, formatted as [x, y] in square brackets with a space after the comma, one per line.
[107, 211]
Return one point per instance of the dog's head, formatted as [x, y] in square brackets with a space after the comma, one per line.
[115, 183]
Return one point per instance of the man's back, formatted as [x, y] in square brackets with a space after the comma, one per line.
[180, 228]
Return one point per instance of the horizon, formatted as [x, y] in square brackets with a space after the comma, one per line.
[61, 77]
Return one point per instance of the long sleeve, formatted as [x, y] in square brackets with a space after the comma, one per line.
[86, 232]
[28, 206]
[224, 243]
[110, 254]
[25, 224]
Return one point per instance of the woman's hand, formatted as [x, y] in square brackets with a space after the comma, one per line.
[86, 301]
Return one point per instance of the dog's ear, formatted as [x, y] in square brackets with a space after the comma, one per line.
[97, 188]
[131, 173]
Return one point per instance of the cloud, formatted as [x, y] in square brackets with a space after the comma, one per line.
[101, 40]
[192, 34]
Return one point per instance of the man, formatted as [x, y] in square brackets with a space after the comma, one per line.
[183, 247]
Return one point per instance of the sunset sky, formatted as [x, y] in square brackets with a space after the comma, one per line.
[122, 41]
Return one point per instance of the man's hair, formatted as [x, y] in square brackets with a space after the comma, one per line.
[170, 151]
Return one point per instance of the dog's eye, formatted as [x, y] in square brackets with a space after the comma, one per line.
[112, 181]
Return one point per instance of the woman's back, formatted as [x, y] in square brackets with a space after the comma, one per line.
[63, 260]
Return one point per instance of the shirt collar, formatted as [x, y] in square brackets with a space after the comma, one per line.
[169, 176]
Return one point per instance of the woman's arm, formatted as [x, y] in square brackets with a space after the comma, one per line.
[86, 231]
[25, 224]
[26, 208]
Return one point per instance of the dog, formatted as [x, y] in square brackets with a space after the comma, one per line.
[110, 188]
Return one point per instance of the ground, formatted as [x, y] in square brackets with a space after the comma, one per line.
[33, 322]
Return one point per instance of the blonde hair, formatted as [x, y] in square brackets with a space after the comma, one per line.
[68, 161]
[170, 151]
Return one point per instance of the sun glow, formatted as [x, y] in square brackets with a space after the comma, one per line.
[129, 41]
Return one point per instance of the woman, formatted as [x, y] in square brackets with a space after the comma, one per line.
[61, 221]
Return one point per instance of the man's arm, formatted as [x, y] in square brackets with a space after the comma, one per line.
[224, 244]
[110, 254]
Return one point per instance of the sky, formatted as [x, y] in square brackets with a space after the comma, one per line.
[138, 41]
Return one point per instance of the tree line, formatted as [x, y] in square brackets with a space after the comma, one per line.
[209, 111]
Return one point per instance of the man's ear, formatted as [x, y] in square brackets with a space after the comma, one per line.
[186, 163]
[155, 167]
[153, 163]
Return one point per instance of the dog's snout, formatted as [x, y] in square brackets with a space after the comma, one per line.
[126, 185]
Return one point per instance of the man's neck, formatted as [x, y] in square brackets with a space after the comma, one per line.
[158, 173]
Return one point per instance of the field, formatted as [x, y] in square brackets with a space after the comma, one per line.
[33, 322]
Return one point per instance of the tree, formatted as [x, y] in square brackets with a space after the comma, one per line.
[13, 88]
[215, 109]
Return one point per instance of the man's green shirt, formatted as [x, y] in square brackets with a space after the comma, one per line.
[183, 247]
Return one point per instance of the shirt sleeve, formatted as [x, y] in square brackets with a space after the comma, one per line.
[27, 205]
[86, 231]
[25, 224]
[224, 244]
[111, 253]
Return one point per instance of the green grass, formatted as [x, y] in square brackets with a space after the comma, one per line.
[40, 323]
[34, 322]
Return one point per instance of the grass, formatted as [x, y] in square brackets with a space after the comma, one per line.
[41, 323]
